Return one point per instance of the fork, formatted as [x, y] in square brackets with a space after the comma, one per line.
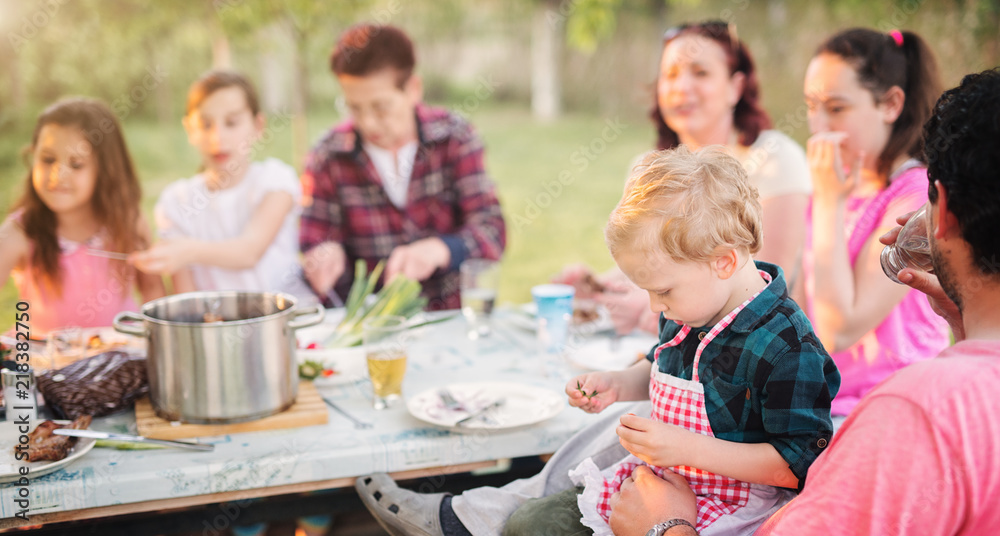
[358, 424]
[481, 412]
[449, 400]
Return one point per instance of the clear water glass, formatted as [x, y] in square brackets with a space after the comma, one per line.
[912, 248]
[479, 281]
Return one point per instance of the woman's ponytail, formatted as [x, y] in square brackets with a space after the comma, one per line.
[923, 87]
[883, 60]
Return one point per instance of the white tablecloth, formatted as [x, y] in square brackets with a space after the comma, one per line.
[397, 442]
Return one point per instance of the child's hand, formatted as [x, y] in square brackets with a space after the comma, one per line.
[163, 258]
[592, 392]
[656, 443]
[823, 151]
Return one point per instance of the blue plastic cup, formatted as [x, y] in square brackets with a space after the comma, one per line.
[555, 312]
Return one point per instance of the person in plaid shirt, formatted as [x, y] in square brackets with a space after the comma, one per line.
[740, 385]
[400, 180]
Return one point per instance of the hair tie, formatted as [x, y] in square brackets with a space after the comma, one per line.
[897, 36]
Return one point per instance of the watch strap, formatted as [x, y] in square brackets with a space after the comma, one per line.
[662, 528]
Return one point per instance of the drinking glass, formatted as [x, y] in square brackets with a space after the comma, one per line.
[385, 350]
[555, 312]
[19, 396]
[912, 248]
[479, 281]
[64, 346]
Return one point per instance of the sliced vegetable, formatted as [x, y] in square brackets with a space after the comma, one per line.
[400, 297]
[125, 445]
[309, 369]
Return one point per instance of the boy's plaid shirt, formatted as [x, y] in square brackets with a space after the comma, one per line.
[450, 196]
[767, 378]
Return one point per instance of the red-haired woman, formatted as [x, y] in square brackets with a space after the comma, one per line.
[707, 93]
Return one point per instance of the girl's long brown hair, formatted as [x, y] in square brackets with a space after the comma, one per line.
[116, 194]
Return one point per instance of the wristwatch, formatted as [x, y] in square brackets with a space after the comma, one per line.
[660, 529]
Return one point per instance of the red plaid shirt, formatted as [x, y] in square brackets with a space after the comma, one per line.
[450, 197]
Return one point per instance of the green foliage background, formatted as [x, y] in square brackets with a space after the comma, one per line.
[473, 56]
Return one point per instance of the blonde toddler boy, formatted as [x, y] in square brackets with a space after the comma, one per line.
[739, 383]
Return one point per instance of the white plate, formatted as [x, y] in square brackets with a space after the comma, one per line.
[596, 353]
[318, 333]
[9, 466]
[111, 339]
[523, 405]
[349, 363]
[525, 316]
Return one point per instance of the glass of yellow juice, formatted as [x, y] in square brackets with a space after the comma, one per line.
[385, 349]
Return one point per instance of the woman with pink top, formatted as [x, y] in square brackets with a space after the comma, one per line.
[81, 200]
[869, 94]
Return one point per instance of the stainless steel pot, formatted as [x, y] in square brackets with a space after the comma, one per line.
[239, 368]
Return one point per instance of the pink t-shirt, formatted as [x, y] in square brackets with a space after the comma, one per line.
[93, 289]
[911, 332]
[919, 455]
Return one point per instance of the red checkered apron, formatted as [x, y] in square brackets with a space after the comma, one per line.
[682, 403]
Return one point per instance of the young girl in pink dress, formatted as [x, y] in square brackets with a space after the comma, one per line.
[869, 94]
[81, 198]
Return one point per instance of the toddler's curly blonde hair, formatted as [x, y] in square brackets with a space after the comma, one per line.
[690, 206]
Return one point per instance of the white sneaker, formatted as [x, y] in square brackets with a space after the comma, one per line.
[400, 511]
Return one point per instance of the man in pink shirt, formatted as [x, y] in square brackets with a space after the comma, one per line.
[921, 453]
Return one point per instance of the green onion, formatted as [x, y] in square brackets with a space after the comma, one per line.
[400, 297]
[125, 445]
[580, 388]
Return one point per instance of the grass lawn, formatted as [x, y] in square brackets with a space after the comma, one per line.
[557, 182]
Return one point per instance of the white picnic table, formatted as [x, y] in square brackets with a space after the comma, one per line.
[107, 482]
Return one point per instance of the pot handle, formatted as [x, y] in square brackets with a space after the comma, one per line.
[319, 314]
[127, 329]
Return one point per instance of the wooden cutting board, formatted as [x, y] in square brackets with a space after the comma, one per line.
[308, 410]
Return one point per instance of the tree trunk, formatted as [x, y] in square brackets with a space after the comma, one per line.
[161, 93]
[273, 74]
[16, 83]
[222, 57]
[300, 98]
[777, 18]
[546, 39]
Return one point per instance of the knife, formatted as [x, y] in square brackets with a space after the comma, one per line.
[481, 412]
[93, 434]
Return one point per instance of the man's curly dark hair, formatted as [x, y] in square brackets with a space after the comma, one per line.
[962, 150]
